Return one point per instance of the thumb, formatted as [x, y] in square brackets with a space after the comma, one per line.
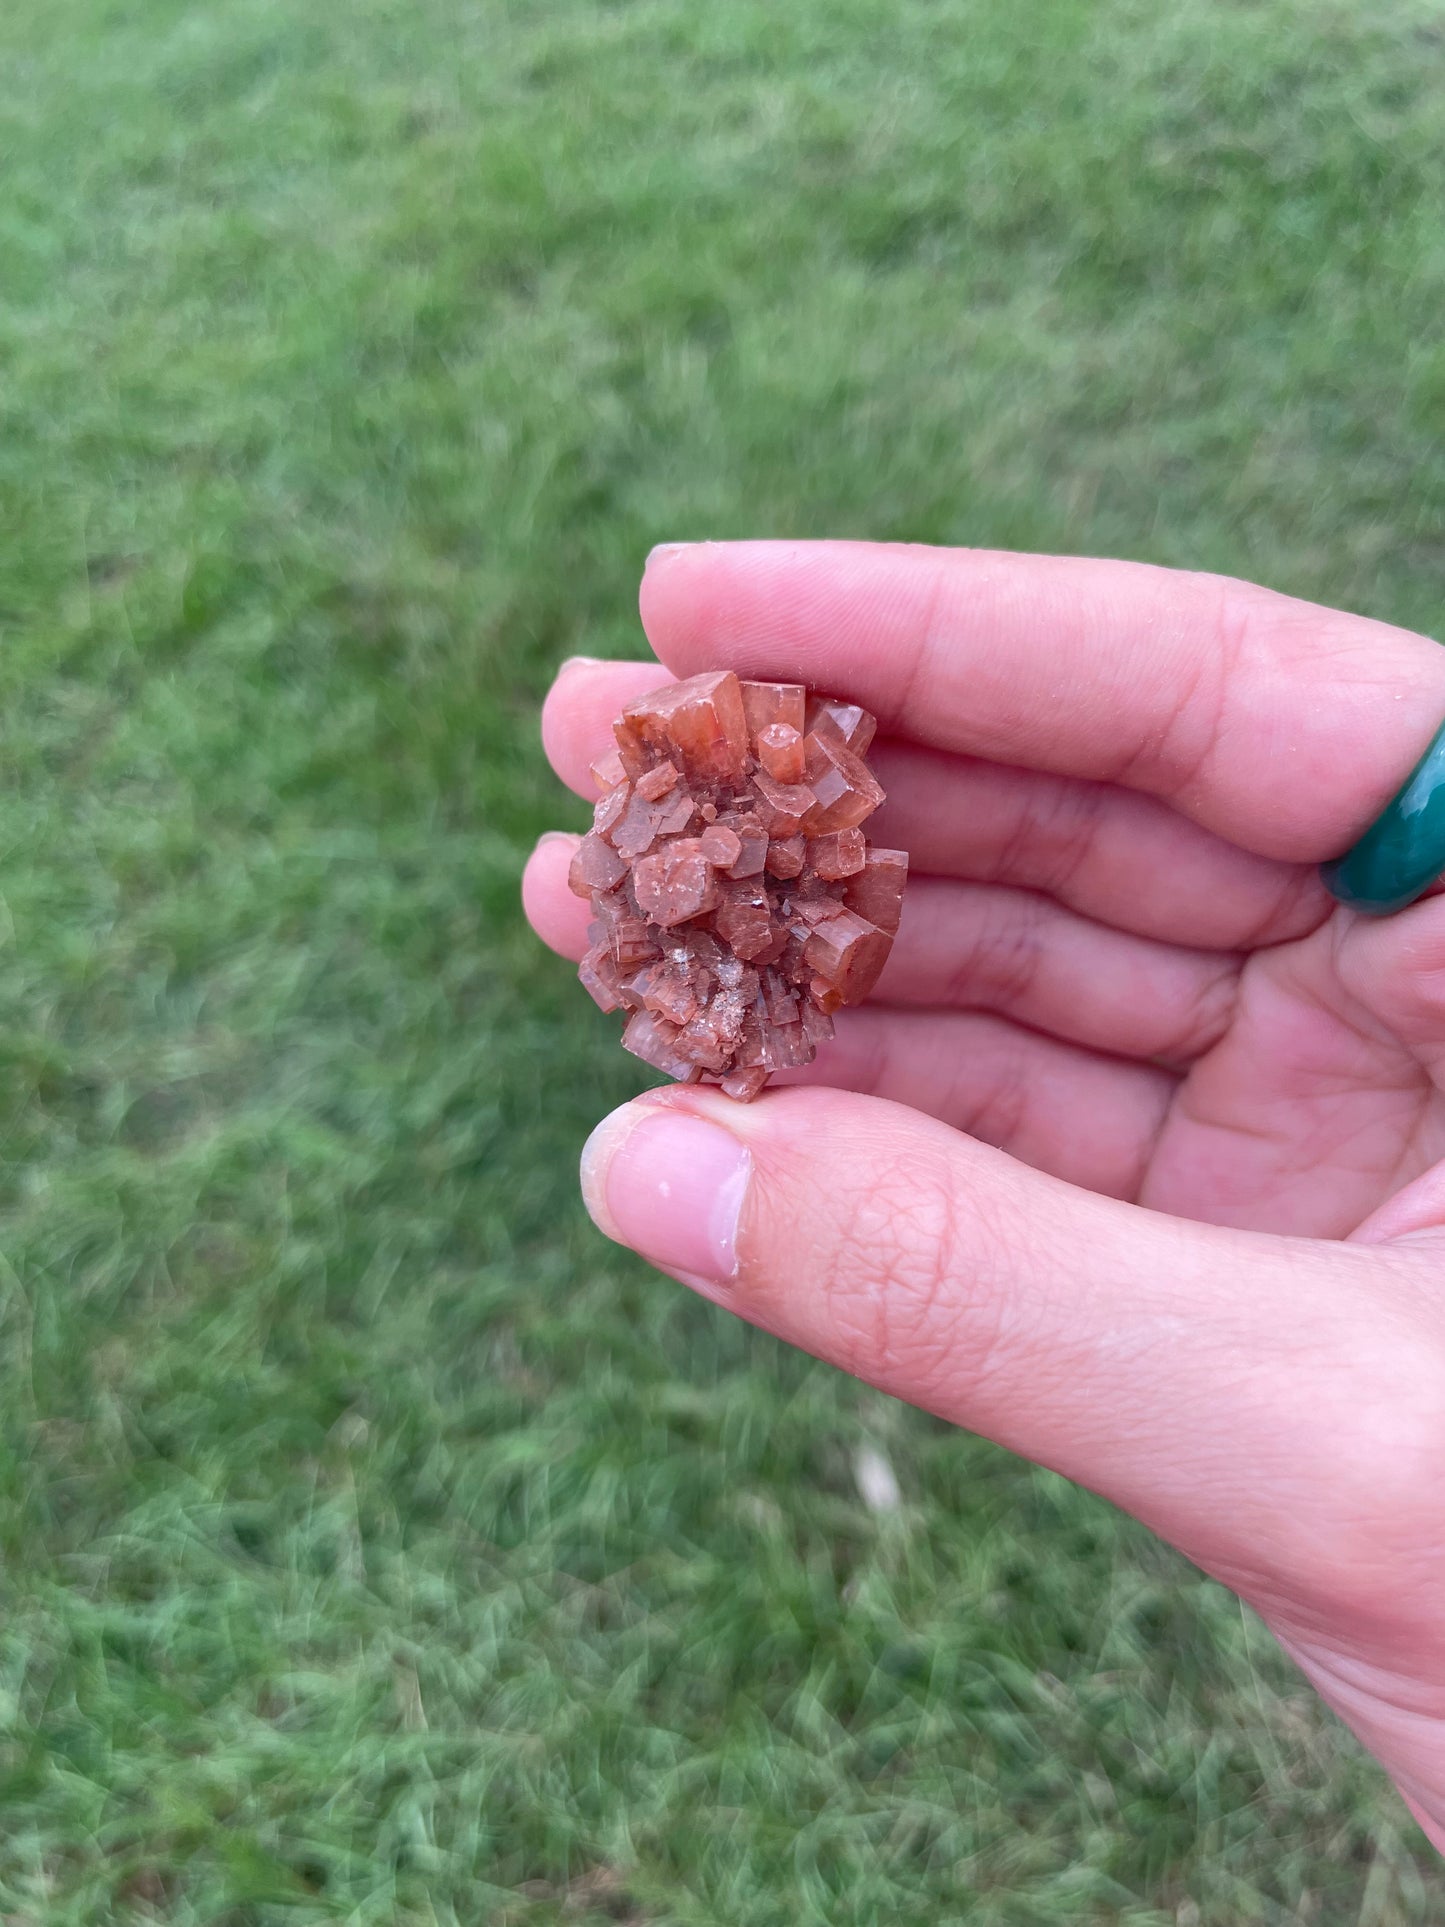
[1257, 1400]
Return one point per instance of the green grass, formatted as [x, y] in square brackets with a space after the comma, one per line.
[378, 1545]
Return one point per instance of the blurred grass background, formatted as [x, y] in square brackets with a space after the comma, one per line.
[378, 1545]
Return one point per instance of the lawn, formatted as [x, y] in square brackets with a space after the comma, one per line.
[376, 1544]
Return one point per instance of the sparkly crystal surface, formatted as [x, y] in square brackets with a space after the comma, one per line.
[736, 900]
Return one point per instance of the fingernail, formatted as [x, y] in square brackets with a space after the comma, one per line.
[557, 836]
[670, 1186]
[662, 552]
[567, 662]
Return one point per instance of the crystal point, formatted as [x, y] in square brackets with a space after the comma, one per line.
[846, 790]
[699, 723]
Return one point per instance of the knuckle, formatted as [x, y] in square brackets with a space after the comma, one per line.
[905, 1305]
[993, 1108]
[1412, 982]
[1054, 832]
[1298, 906]
[1208, 1014]
[1002, 963]
[1174, 759]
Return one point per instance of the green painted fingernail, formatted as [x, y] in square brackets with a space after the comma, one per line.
[1403, 851]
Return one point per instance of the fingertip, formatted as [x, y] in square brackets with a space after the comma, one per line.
[566, 723]
[684, 589]
[792, 609]
[670, 1183]
[663, 552]
[602, 1143]
[578, 711]
[681, 585]
[558, 917]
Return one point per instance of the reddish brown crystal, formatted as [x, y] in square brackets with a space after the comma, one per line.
[876, 892]
[698, 723]
[656, 1042]
[845, 722]
[596, 866]
[846, 790]
[783, 806]
[838, 854]
[610, 809]
[745, 1085]
[752, 847]
[780, 751]
[675, 882]
[657, 781]
[737, 904]
[600, 979]
[721, 846]
[848, 953]
[607, 772]
[787, 855]
[766, 704]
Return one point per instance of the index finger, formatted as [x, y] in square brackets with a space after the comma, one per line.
[1282, 725]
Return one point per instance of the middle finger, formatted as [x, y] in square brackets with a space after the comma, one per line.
[966, 946]
[1115, 855]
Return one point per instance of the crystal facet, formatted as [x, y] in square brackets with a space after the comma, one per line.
[766, 704]
[845, 722]
[736, 901]
[698, 723]
[845, 789]
[780, 751]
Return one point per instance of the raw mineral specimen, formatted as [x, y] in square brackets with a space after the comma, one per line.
[737, 902]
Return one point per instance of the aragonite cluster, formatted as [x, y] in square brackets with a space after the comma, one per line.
[737, 902]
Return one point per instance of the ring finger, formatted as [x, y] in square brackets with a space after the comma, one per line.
[964, 946]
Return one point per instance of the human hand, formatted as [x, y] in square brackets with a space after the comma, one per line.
[1136, 1162]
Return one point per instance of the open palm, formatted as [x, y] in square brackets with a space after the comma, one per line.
[1118, 966]
[1116, 960]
